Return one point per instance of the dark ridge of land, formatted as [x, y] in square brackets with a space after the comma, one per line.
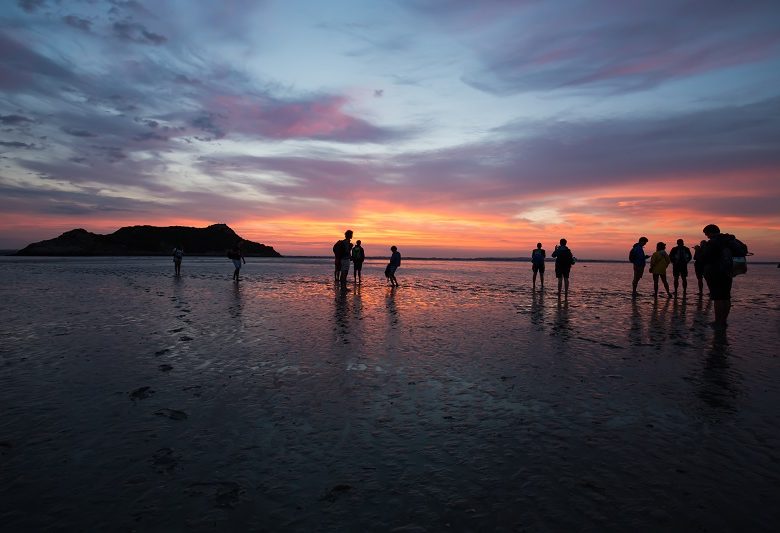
[213, 240]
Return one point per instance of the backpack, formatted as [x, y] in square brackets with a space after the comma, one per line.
[358, 254]
[338, 249]
[632, 254]
[536, 257]
[733, 256]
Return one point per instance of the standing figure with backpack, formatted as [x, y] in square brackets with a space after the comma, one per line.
[639, 259]
[564, 259]
[537, 263]
[358, 256]
[680, 257]
[723, 256]
[341, 251]
[392, 266]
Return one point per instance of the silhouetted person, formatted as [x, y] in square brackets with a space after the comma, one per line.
[639, 259]
[659, 262]
[680, 257]
[341, 252]
[178, 254]
[358, 256]
[564, 259]
[717, 254]
[698, 265]
[395, 262]
[237, 257]
[537, 263]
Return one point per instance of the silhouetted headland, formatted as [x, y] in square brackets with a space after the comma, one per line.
[149, 240]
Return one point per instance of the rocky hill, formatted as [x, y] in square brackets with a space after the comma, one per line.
[149, 240]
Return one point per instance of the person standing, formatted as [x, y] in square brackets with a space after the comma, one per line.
[564, 259]
[237, 257]
[680, 257]
[358, 256]
[341, 253]
[717, 254]
[659, 262]
[395, 262]
[639, 259]
[178, 254]
[537, 263]
[698, 265]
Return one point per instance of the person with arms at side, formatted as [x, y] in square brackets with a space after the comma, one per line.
[358, 256]
[698, 265]
[680, 257]
[718, 255]
[659, 262]
[237, 257]
[537, 263]
[341, 253]
[638, 259]
[178, 254]
[395, 262]
[564, 259]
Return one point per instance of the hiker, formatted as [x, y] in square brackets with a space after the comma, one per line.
[680, 257]
[563, 262]
[659, 262]
[237, 257]
[358, 256]
[718, 255]
[178, 254]
[698, 265]
[392, 266]
[537, 263]
[639, 259]
[341, 252]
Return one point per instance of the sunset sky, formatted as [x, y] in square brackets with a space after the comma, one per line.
[448, 128]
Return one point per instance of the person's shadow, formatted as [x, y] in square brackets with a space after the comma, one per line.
[341, 312]
[719, 385]
[561, 326]
[537, 310]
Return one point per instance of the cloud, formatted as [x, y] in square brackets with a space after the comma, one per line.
[606, 46]
[137, 33]
[15, 144]
[31, 6]
[78, 133]
[77, 22]
[13, 120]
[22, 68]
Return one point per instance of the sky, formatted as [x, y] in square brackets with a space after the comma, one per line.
[448, 128]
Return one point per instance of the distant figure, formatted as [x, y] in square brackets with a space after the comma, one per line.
[639, 259]
[342, 250]
[718, 255]
[395, 262]
[698, 265]
[659, 262]
[237, 257]
[358, 256]
[680, 257]
[537, 263]
[563, 262]
[178, 254]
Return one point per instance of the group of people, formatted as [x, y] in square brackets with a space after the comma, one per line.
[345, 252]
[564, 259]
[716, 260]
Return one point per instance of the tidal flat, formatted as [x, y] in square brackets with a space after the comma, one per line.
[132, 400]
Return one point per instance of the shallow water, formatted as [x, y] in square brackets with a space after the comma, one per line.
[462, 400]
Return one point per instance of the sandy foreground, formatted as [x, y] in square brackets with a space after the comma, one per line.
[463, 401]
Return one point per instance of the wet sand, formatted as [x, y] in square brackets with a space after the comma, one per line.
[464, 401]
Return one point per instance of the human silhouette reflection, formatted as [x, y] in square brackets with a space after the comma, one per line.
[635, 328]
[537, 309]
[659, 324]
[678, 328]
[235, 308]
[341, 314]
[392, 310]
[719, 386]
[561, 325]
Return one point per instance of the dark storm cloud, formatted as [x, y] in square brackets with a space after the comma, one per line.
[87, 201]
[137, 33]
[77, 133]
[77, 22]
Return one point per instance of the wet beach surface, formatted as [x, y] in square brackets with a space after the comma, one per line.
[463, 400]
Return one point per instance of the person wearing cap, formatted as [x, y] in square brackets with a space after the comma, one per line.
[639, 260]
[680, 256]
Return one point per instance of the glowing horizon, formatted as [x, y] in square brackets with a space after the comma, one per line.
[435, 126]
